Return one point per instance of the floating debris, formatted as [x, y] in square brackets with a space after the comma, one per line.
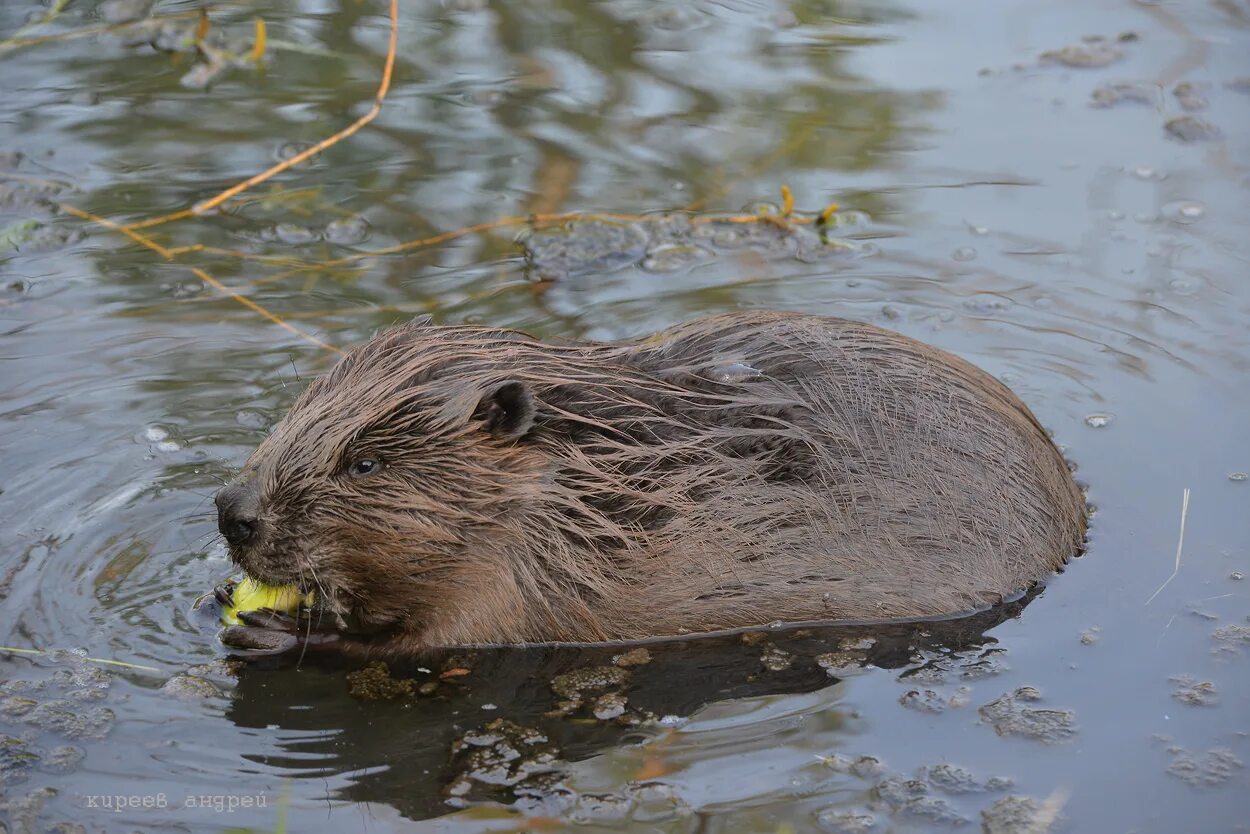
[584, 247]
[634, 657]
[953, 779]
[374, 683]
[1124, 92]
[1190, 96]
[1195, 692]
[1085, 55]
[1203, 770]
[1191, 129]
[911, 796]
[1009, 718]
[347, 231]
[1018, 815]
[574, 688]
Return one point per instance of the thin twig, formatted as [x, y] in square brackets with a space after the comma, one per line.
[1180, 544]
[122, 663]
[376, 108]
[168, 255]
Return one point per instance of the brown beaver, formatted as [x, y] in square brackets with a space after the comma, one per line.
[449, 485]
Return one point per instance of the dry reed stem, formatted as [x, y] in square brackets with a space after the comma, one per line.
[1180, 545]
[376, 108]
[168, 255]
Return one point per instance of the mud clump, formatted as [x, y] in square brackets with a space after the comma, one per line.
[932, 702]
[374, 683]
[634, 657]
[1009, 717]
[911, 797]
[1018, 815]
[776, 659]
[1085, 55]
[609, 706]
[502, 755]
[1191, 129]
[1124, 92]
[584, 247]
[1190, 96]
[935, 670]
[1231, 638]
[863, 767]
[575, 688]
[953, 779]
[64, 703]
[1203, 770]
[838, 821]
[664, 243]
[1195, 692]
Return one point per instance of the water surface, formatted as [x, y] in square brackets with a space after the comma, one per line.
[1093, 257]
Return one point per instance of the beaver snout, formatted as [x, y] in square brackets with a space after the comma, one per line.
[238, 518]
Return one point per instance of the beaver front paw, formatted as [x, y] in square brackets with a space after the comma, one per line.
[266, 631]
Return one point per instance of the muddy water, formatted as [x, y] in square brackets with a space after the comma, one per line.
[1037, 195]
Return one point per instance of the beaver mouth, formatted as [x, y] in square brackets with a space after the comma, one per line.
[269, 569]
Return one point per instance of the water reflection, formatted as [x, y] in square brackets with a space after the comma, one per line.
[513, 719]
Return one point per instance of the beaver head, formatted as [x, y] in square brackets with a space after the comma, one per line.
[382, 483]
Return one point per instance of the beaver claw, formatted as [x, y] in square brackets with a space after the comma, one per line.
[224, 593]
[266, 631]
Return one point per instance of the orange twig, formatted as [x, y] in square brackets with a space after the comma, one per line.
[329, 141]
[199, 273]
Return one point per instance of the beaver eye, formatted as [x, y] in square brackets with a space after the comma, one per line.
[362, 467]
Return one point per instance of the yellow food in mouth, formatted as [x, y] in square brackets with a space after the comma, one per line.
[250, 595]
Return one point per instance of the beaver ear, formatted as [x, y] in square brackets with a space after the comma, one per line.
[508, 410]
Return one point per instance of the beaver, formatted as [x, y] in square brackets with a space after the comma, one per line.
[447, 485]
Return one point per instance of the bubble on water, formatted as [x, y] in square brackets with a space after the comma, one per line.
[295, 234]
[1147, 172]
[346, 231]
[288, 150]
[671, 257]
[1184, 211]
[980, 231]
[987, 303]
[1115, 215]
[1097, 421]
[1184, 286]
[1237, 575]
[964, 253]
[155, 434]
[1238, 477]
[168, 446]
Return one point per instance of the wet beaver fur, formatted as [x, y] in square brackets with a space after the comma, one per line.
[450, 485]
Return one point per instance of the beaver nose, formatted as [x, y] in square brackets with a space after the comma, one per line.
[237, 513]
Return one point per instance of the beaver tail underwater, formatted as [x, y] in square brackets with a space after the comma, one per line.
[448, 485]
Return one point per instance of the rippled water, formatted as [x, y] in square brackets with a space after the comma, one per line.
[1094, 257]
